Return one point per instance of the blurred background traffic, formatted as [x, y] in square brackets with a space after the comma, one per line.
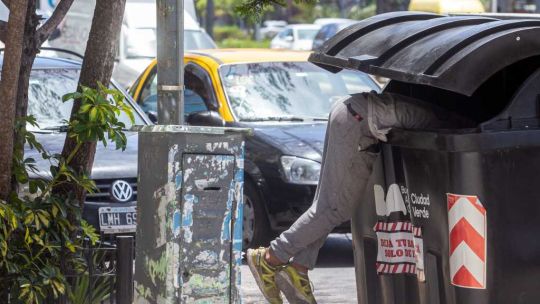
[219, 23]
[239, 72]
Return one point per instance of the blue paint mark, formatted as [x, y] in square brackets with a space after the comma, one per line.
[178, 180]
[177, 216]
[225, 229]
[190, 198]
[238, 223]
[187, 219]
[239, 176]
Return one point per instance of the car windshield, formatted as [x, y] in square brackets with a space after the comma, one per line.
[195, 40]
[45, 98]
[282, 90]
[307, 34]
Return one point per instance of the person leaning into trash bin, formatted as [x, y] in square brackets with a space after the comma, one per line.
[355, 126]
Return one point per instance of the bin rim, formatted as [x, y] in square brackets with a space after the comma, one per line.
[455, 53]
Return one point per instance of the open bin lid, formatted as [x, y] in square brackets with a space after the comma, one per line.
[456, 53]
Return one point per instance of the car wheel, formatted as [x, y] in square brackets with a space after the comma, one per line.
[256, 229]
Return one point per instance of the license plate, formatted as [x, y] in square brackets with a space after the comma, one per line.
[117, 219]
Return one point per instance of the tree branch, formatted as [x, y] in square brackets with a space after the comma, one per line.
[57, 16]
[3, 31]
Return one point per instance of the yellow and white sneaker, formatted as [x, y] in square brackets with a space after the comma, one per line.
[295, 286]
[265, 275]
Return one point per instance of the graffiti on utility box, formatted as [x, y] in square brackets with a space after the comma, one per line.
[189, 233]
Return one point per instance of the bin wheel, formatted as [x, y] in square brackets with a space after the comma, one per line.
[256, 229]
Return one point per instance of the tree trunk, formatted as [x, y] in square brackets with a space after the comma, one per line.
[30, 48]
[97, 67]
[8, 90]
[209, 22]
[27, 46]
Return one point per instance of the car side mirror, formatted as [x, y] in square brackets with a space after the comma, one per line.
[152, 115]
[289, 38]
[205, 118]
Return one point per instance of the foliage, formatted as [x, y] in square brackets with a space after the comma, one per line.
[243, 43]
[93, 288]
[254, 9]
[40, 236]
[359, 13]
[229, 32]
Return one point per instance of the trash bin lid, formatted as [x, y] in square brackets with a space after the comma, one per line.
[456, 53]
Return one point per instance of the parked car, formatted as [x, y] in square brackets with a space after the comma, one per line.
[324, 21]
[296, 37]
[137, 45]
[330, 29]
[112, 208]
[286, 101]
[272, 27]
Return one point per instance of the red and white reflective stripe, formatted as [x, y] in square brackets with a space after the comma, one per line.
[417, 231]
[395, 268]
[393, 226]
[467, 223]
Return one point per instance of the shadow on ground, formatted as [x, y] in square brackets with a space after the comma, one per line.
[337, 252]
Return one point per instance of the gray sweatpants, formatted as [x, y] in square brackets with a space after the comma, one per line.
[347, 166]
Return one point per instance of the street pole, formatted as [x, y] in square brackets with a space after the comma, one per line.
[170, 58]
[494, 6]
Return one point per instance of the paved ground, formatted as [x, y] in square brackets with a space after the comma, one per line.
[333, 278]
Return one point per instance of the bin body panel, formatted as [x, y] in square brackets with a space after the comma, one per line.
[504, 179]
[189, 215]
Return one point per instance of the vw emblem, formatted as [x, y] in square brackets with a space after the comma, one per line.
[121, 191]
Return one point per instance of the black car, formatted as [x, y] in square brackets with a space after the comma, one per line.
[285, 102]
[112, 208]
[328, 30]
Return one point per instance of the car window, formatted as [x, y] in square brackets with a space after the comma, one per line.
[45, 91]
[306, 34]
[197, 93]
[260, 91]
[321, 34]
[286, 33]
[148, 97]
[196, 40]
[331, 31]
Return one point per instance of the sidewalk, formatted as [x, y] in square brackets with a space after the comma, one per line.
[334, 277]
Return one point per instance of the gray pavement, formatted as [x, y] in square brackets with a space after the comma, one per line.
[333, 278]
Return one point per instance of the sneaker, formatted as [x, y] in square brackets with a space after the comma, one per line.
[295, 286]
[265, 275]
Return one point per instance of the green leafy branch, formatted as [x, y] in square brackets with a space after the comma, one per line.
[39, 245]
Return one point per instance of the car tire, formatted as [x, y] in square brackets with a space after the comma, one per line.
[257, 231]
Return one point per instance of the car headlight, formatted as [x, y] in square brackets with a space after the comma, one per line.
[300, 170]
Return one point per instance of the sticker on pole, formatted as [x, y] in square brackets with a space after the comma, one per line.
[399, 243]
[467, 226]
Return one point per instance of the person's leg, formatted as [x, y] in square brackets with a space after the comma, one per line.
[345, 170]
[343, 162]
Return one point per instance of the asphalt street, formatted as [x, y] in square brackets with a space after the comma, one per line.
[333, 278]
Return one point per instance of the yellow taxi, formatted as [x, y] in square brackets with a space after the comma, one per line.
[447, 6]
[286, 101]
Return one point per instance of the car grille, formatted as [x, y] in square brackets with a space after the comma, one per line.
[103, 193]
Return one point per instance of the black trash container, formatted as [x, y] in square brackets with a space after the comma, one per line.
[454, 215]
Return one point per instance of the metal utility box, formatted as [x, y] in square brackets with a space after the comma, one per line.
[453, 216]
[189, 214]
